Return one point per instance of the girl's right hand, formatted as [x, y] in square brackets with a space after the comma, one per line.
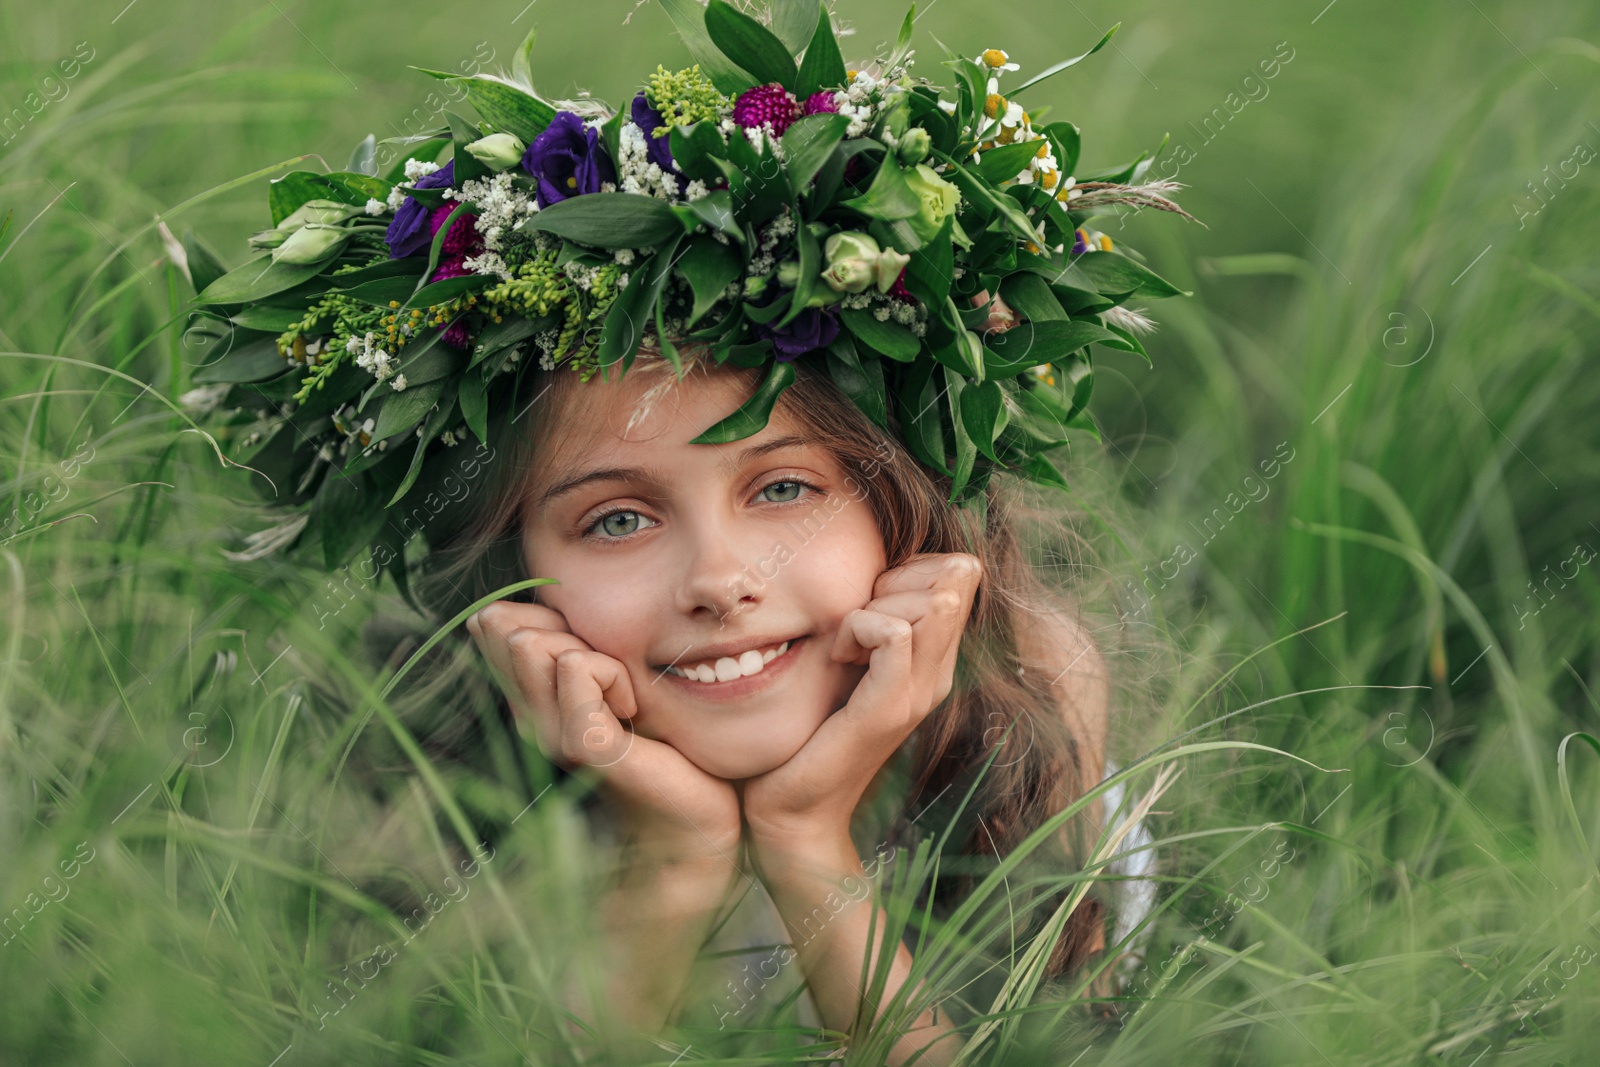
[570, 700]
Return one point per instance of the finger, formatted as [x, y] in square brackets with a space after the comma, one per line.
[503, 616]
[959, 570]
[882, 699]
[593, 693]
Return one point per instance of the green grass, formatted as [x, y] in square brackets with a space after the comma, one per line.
[259, 818]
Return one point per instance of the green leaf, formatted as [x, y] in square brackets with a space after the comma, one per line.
[1113, 273]
[609, 220]
[522, 60]
[752, 416]
[402, 411]
[861, 382]
[890, 338]
[441, 292]
[750, 44]
[1031, 297]
[807, 144]
[287, 193]
[347, 516]
[794, 21]
[694, 146]
[468, 167]
[983, 413]
[688, 18]
[1029, 344]
[931, 271]
[430, 430]
[383, 268]
[1068, 142]
[1063, 65]
[380, 291]
[889, 196]
[1007, 161]
[1042, 471]
[716, 211]
[364, 160]
[1132, 344]
[261, 277]
[501, 103]
[810, 266]
[823, 66]
[624, 323]
[966, 453]
[978, 192]
[204, 266]
[266, 317]
[709, 266]
[474, 401]
[255, 361]
[918, 401]
[437, 245]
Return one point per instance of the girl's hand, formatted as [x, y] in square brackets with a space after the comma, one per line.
[908, 636]
[571, 699]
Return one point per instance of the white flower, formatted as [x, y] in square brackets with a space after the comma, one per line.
[418, 168]
[399, 383]
[375, 206]
[947, 106]
[636, 172]
[397, 197]
[204, 399]
[696, 190]
[624, 256]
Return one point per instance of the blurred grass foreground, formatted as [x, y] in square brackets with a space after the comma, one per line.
[211, 817]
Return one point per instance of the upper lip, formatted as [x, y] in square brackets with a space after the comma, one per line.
[731, 648]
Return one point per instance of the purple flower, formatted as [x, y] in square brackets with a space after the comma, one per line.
[812, 328]
[568, 160]
[648, 119]
[408, 234]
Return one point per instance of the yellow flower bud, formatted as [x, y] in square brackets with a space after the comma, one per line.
[994, 105]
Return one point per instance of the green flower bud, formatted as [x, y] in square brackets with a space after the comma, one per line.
[822, 296]
[938, 199]
[851, 275]
[321, 212]
[914, 146]
[309, 244]
[788, 273]
[849, 244]
[498, 151]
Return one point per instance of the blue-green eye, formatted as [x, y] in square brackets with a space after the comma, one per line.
[796, 485]
[619, 524]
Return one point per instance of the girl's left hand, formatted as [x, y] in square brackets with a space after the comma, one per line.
[908, 636]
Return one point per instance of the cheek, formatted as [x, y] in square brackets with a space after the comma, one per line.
[838, 565]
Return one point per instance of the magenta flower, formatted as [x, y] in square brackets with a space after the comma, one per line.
[766, 104]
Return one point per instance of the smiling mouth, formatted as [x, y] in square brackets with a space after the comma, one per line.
[732, 668]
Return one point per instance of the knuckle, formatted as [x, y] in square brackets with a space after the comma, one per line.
[946, 601]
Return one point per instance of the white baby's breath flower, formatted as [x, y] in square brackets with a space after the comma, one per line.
[419, 168]
[375, 206]
[399, 383]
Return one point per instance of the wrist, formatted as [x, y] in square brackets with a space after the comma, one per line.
[815, 852]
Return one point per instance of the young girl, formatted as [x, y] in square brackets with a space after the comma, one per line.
[744, 643]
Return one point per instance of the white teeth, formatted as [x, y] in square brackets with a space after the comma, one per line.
[728, 667]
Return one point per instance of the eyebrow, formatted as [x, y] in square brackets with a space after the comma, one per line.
[652, 476]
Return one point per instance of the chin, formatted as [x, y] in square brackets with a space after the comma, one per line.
[733, 766]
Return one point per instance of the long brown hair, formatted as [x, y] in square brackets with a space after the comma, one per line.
[1041, 766]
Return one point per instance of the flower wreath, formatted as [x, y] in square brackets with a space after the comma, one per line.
[772, 209]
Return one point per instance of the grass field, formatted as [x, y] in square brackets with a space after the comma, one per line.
[1396, 312]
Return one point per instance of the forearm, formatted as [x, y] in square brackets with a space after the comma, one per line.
[655, 916]
[826, 902]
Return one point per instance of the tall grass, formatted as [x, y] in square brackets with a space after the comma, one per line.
[207, 748]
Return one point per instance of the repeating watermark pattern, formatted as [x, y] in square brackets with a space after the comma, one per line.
[811, 925]
[807, 528]
[1582, 554]
[339, 990]
[1540, 194]
[1211, 526]
[427, 116]
[53, 488]
[55, 891]
[1254, 89]
[52, 88]
[452, 490]
[1405, 333]
[1538, 987]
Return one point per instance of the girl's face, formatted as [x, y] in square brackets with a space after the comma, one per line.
[705, 558]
